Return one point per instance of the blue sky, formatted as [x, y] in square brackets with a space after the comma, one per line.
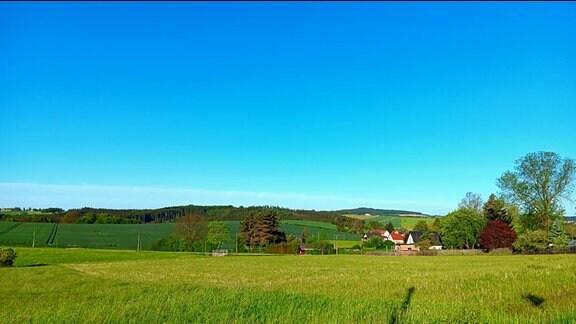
[302, 105]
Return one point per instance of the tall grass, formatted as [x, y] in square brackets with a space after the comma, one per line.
[57, 285]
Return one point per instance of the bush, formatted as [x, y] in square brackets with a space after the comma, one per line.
[282, 248]
[170, 243]
[324, 248]
[532, 242]
[7, 257]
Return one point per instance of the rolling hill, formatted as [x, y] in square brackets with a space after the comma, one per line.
[381, 212]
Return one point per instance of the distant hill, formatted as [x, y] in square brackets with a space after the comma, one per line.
[373, 211]
[88, 215]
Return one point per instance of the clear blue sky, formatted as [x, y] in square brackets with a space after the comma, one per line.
[302, 105]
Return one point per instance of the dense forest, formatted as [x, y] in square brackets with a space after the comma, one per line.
[161, 215]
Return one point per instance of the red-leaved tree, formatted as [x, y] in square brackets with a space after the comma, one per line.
[497, 234]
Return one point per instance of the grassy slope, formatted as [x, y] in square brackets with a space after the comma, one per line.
[55, 285]
[407, 222]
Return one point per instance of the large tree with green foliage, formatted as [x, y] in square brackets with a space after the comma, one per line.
[421, 225]
[460, 228]
[261, 229]
[193, 229]
[355, 225]
[539, 183]
[218, 233]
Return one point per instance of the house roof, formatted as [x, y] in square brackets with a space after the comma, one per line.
[379, 231]
[416, 237]
[397, 236]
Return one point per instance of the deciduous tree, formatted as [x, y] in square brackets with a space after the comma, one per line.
[534, 241]
[539, 183]
[435, 227]
[372, 225]
[497, 234]
[472, 201]
[421, 225]
[460, 228]
[192, 228]
[218, 233]
[355, 225]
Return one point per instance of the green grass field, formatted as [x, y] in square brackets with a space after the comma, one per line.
[310, 224]
[94, 286]
[125, 236]
[407, 222]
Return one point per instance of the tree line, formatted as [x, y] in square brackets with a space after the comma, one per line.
[161, 215]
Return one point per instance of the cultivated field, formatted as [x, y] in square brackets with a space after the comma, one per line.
[126, 236]
[93, 286]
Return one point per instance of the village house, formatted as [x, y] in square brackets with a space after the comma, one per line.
[383, 234]
[413, 238]
[394, 236]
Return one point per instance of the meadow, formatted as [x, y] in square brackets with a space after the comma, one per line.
[407, 222]
[77, 285]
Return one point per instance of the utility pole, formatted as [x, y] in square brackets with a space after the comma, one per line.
[138, 247]
[336, 239]
[34, 238]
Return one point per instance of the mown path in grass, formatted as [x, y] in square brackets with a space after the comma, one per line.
[56, 285]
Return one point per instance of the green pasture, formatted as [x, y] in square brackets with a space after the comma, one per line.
[95, 286]
[344, 244]
[396, 220]
[310, 224]
[126, 236]
[407, 222]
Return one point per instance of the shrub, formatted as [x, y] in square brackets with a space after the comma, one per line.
[7, 257]
[170, 243]
[324, 248]
[532, 242]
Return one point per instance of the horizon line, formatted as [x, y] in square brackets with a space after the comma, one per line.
[144, 197]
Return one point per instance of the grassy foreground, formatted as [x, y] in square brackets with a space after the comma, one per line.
[61, 285]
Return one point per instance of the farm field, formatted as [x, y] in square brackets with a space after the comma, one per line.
[125, 236]
[407, 222]
[77, 285]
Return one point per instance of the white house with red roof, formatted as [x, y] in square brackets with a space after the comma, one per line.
[394, 236]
